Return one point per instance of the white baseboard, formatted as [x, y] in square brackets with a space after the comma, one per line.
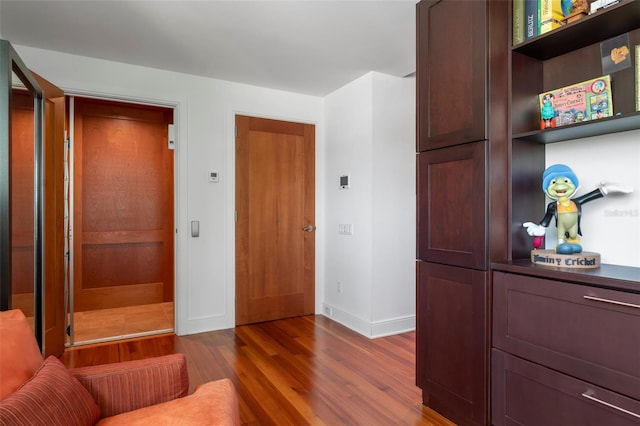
[369, 329]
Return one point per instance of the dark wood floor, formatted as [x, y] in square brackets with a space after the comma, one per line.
[298, 371]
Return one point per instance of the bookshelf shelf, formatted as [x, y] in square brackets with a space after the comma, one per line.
[556, 59]
[602, 25]
[599, 127]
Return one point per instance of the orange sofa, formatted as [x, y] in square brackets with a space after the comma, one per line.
[151, 391]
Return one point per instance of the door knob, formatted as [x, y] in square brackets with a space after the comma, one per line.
[309, 228]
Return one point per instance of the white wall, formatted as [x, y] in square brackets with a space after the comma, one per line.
[394, 204]
[611, 225]
[370, 135]
[371, 129]
[205, 109]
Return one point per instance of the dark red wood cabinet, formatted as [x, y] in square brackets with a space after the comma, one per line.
[566, 343]
[565, 353]
[451, 72]
[462, 175]
[451, 206]
[452, 324]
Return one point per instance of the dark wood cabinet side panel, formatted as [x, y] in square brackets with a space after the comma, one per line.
[451, 194]
[453, 341]
[526, 75]
[527, 196]
[499, 132]
[452, 73]
[422, 83]
[498, 391]
[421, 324]
[584, 331]
[534, 395]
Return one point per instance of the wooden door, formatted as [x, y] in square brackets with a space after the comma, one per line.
[275, 201]
[123, 228]
[54, 233]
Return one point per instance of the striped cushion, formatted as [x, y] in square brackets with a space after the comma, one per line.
[51, 397]
[19, 351]
[129, 385]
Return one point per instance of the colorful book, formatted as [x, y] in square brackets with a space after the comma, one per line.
[518, 21]
[638, 77]
[588, 100]
[531, 18]
[551, 16]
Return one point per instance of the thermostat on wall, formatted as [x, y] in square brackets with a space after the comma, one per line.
[214, 176]
[344, 182]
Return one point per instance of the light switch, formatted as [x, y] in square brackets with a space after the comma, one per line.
[345, 229]
[195, 228]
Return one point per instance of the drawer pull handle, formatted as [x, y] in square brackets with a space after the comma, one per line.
[599, 401]
[614, 302]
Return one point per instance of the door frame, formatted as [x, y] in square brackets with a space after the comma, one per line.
[11, 62]
[178, 187]
[230, 119]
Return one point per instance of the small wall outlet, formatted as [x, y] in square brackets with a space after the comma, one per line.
[339, 287]
[328, 311]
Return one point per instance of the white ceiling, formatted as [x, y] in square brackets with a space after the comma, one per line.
[304, 46]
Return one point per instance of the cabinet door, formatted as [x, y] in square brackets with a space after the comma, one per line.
[451, 209]
[527, 394]
[451, 341]
[451, 72]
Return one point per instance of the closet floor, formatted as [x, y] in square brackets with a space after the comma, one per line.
[122, 323]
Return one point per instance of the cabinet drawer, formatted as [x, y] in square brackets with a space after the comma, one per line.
[525, 393]
[587, 332]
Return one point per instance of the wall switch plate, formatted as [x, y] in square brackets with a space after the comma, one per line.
[195, 228]
[345, 229]
[171, 139]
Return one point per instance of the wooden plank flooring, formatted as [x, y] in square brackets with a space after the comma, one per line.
[120, 323]
[300, 371]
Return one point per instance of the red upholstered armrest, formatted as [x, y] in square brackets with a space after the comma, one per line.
[129, 385]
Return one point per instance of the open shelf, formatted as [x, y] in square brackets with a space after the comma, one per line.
[602, 25]
[598, 127]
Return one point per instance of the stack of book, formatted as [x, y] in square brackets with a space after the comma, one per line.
[532, 18]
[596, 5]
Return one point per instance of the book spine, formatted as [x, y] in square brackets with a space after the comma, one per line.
[518, 21]
[544, 8]
[550, 15]
[531, 15]
[539, 17]
[638, 77]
